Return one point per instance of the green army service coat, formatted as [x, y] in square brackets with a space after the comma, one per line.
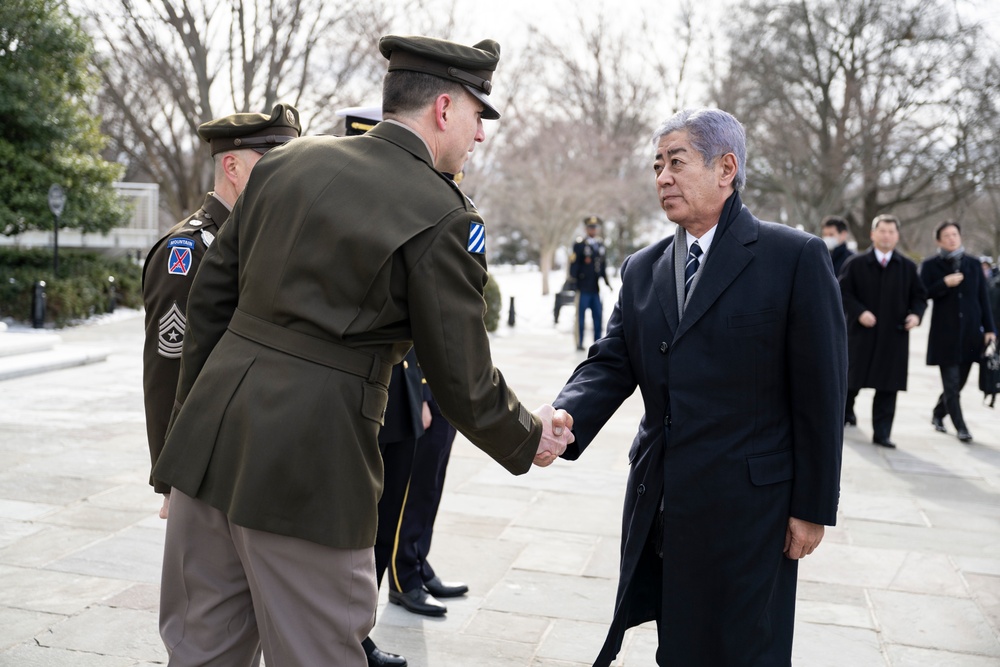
[340, 250]
[167, 275]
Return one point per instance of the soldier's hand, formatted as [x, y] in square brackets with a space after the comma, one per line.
[557, 432]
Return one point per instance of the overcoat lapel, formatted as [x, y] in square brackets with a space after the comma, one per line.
[726, 260]
[663, 285]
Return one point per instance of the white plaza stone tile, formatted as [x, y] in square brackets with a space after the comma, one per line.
[938, 622]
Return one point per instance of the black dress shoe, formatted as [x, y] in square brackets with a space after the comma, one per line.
[379, 658]
[850, 420]
[884, 442]
[938, 424]
[964, 435]
[445, 589]
[418, 601]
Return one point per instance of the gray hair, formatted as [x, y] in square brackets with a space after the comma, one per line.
[713, 133]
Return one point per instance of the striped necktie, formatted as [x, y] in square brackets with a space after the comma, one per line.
[691, 268]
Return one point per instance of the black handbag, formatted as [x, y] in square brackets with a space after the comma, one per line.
[989, 373]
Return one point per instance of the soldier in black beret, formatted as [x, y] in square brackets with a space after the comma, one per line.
[588, 266]
[353, 121]
[236, 143]
[342, 253]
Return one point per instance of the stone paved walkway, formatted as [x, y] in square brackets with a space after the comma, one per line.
[909, 577]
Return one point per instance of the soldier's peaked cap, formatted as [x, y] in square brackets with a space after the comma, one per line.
[471, 66]
[252, 130]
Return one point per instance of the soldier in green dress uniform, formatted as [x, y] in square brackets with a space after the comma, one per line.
[237, 142]
[341, 254]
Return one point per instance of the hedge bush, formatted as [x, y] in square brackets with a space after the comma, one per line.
[81, 290]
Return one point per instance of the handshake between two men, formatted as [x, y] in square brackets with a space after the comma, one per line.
[557, 433]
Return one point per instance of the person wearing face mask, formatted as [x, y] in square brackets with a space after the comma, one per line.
[834, 233]
[883, 300]
[961, 322]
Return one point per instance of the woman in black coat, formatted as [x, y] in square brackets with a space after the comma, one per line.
[961, 321]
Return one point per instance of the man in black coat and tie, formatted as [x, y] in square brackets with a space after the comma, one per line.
[961, 321]
[883, 300]
[733, 331]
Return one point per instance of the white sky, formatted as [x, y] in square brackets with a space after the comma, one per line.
[505, 20]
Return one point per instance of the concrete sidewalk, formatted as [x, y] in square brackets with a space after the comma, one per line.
[909, 577]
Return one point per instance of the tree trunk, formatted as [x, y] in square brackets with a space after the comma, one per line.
[545, 260]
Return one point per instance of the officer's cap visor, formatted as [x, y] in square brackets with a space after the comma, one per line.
[489, 112]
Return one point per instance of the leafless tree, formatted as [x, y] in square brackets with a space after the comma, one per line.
[169, 65]
[857, 107]
[575, 140]
[981, 232]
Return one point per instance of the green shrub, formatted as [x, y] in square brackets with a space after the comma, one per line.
[82, 288]
[494, 303]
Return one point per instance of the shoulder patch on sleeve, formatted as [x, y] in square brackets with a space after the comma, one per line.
[171, 337]
[179, 257]
[477, 238]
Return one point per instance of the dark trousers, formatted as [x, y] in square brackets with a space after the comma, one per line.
[397, 459]
[883, 411]
[953, 378]
[591, 300]
[409, 568]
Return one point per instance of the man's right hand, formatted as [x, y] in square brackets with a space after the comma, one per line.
[954, 279]
[867, 319]
[557, 432]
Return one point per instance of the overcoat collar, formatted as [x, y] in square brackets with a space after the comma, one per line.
[870, 257]
[217, 211]
[408, 139]
[729, 256]
[405, 138]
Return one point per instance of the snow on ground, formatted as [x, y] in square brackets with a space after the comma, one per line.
[533, 310]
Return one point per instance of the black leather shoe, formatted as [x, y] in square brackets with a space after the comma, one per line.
[964, 436]
[938, 424]
[445, 589]
[884, 442]
[379, 658]
[418, 601]
[850, 420]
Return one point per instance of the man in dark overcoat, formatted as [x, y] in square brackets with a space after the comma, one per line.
[883, 300]
[236, 142]
[341, 254]
[961, 321]
[734, 333]
[834, 232]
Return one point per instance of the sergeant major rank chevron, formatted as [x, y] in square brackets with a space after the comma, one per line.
[171, 337]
